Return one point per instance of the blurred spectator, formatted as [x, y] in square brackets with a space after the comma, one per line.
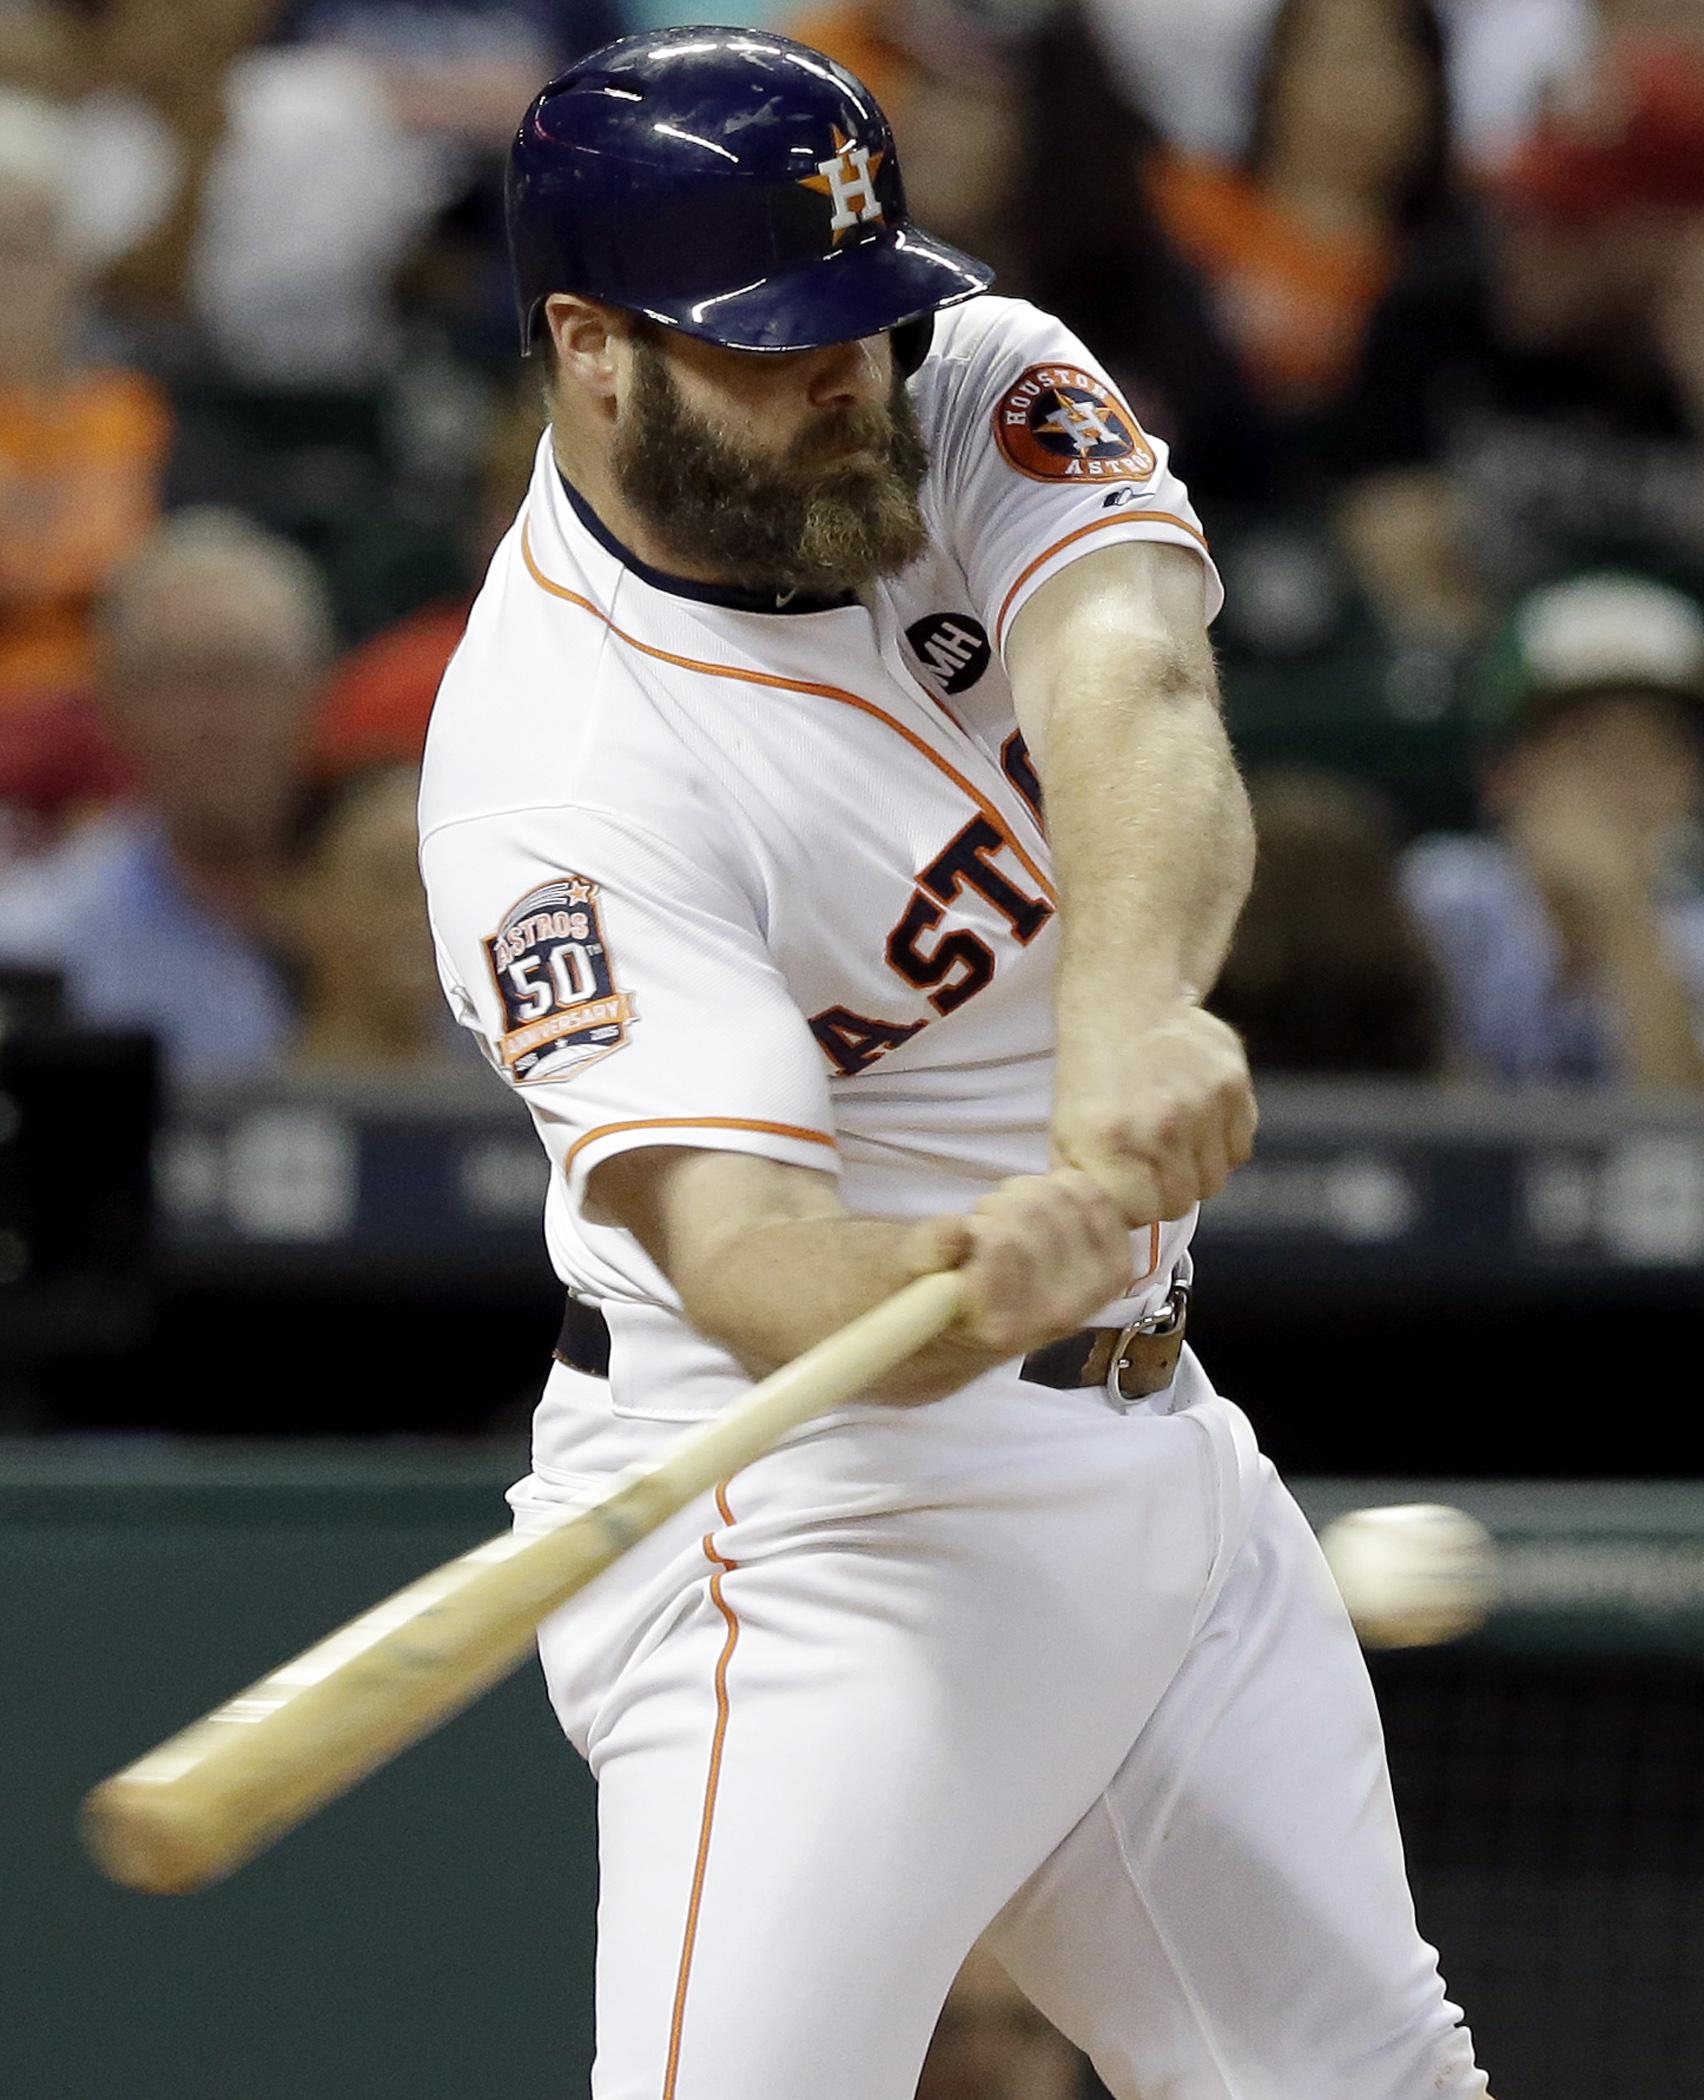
[1195, 69]
[82, 450]
[1330, 970]
[39, 46]
[1666, 18]
[463, 67]
[375, 708]
[1572, 933]
[164, 911]
[1348, 162]
[1532, 396]
[992, 2044]
[369, 995]
[1192, 69]
[1508, 61]
[253, 202]
[1059, 208]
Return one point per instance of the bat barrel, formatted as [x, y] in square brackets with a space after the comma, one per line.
[196, 1808]
[201, 1804]
[156, 1842]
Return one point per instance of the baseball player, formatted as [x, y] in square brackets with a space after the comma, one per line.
[835, 574]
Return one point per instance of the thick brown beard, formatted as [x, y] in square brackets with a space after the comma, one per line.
[810, 519]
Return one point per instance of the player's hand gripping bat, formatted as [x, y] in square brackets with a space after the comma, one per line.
[201, 1804]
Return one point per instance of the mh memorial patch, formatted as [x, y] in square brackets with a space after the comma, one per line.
[1060, 423]
[952, 650]
[561, 1008]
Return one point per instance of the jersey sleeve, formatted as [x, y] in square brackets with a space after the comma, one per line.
[1040, 460]
[623, 990]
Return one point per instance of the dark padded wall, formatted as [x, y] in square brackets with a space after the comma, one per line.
[428, 1936]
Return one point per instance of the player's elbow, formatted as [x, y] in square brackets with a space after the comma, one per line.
[726, 1317]
[1175, 669]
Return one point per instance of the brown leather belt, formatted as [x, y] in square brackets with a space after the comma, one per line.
[1145, 1353]
[1139, 1360]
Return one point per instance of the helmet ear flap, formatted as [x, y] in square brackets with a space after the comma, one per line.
[911, 340]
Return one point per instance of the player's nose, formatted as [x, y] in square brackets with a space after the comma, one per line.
[847, 375]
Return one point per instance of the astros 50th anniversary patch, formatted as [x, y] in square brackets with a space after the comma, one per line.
[561, 1006]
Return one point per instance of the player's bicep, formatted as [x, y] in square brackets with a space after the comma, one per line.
[1040, 463]
[688, 1207]
[1124, 622]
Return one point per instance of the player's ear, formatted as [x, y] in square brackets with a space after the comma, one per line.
[585, 338]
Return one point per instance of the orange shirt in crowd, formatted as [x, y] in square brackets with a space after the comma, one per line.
[80, 471]
[1296, 302]
[850, 31]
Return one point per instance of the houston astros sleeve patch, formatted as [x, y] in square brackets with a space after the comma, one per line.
[1061, 423]
[562, 1009]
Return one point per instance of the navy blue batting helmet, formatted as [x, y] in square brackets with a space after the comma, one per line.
[727, 182]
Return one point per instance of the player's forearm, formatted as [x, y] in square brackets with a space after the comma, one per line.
[1152, 840]
[768, 1262]
[1153, 847]
[778, 1289]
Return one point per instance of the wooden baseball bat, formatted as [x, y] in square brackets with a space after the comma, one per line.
[212, 1797]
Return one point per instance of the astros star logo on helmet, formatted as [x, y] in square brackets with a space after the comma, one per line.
[848, 177]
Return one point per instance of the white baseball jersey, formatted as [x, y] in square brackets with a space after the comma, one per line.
[711, 872]
[772, 878]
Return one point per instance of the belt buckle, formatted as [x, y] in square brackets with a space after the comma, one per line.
[1167, 1319]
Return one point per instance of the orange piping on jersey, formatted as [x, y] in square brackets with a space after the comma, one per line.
[712, 1784]
[1153, 1255]
[790, 1130]
[1123, 517]
[795, 685]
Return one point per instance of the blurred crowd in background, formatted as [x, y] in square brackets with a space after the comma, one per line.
[1415, 289]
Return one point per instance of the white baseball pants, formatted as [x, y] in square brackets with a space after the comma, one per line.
[1020, 1661]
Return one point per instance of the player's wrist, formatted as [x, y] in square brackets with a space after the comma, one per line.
[1097, 1006]
[1093, 972]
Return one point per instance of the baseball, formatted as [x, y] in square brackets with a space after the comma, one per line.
[1414, 1574]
